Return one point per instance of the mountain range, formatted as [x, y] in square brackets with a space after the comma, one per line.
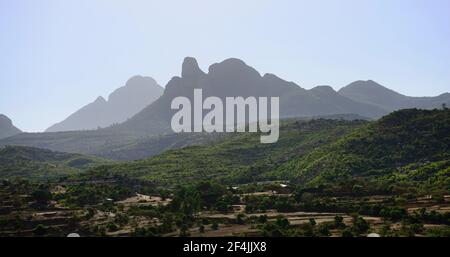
[122, 104]
[231, 77]
[375, 94]
[7, 128]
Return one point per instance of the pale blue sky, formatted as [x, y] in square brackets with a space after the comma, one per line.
[58, 55]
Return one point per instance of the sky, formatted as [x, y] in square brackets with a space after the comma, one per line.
[56, 56]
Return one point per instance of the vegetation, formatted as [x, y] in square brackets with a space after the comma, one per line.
[323, 178]
[40, 164]
[238, 158]
[404, 152]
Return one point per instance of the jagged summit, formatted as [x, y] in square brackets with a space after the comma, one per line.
[190, 68]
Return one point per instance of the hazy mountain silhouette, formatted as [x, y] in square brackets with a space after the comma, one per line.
[233, 77]
[7, 128]
[229, 78]
[373, 93]
[122, 104]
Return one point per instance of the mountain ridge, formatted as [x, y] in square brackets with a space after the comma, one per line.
[231, 77]
[122, 103]
[373, 93]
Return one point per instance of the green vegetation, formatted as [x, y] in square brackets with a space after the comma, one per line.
[238, 158]
[40, 164]
[404, 152]
[323, 178]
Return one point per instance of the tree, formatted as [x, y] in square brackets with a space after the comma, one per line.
[262, 219]
[186, 200]
[215, 225]
[307, 198]
[347, 233]
[339, 222]
[221, 206]
[272, 230]
[42, 196]
[360, 225]
[201, 229]
[324, 230]
[240, 219]
[184, 231]
[210, 192]
[283, 223]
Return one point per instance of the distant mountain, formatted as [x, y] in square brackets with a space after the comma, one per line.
[122, 104]
[370, 92]
[232, 78]
[7, 128]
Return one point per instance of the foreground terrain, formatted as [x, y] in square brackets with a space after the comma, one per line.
[389, 177]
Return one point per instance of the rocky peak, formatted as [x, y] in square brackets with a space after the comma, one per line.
[190, 68]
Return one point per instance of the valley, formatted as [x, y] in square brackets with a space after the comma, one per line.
[324, 177]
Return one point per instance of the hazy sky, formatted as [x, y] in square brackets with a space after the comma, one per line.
[56, 56]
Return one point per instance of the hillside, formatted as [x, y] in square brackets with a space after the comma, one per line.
[41, 164]
[236, 158]
[406, 151]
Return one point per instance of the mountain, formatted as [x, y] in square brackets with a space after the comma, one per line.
[122, 104]
[148, 132]
[233, 77]
[41, 164]
[7, 128]
[370, 92]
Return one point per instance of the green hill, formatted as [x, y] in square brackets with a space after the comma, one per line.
[405, 151]
[237, 157]
[36, 163]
